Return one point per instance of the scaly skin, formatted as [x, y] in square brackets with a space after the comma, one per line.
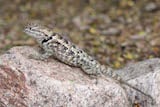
[65, 51]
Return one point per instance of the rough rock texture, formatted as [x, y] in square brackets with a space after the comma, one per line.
[27, 82]
[145, 76]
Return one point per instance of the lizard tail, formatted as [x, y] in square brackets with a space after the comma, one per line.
[110, 73]
[147, 95]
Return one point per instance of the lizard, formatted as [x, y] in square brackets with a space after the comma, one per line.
[54, 44]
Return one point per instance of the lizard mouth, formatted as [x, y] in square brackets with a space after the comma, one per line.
[27, 31]
[33, 33]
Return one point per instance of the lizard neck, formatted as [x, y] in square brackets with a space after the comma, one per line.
[40, 40]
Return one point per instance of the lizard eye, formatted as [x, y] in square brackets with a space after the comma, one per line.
[50, 37]
[30, 28]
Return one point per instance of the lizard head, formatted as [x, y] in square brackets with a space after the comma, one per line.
[37, 31]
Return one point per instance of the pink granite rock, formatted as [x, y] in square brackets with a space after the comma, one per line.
[27, 82]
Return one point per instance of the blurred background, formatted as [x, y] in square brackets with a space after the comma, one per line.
[115, 32]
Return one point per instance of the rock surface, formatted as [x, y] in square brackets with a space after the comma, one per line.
[145, 76]
[27, 82]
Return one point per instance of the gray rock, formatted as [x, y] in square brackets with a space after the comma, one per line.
[145, 76]
[81, 23]
[151, 7]
[111, 31]
[27, 82]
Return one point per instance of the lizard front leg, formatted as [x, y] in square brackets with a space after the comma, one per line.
[41, 56]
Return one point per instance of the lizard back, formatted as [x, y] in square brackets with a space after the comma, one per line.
[71, 54]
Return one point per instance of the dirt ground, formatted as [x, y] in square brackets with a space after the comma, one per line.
[115, 32]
